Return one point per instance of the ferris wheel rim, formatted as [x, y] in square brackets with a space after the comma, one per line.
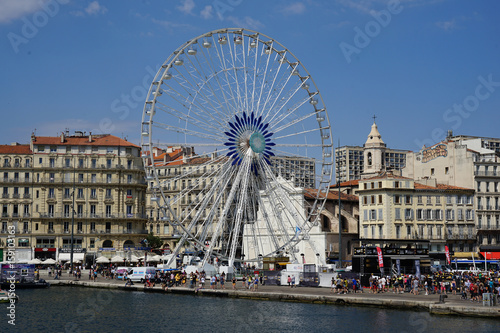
[169, 64]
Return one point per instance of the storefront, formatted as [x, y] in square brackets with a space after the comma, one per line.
[44, 253]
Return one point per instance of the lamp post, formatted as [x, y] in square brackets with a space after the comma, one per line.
[72, 219]
[340, 213]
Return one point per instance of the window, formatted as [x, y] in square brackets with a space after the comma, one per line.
[450, 215]
[129, 179]
[408, 214]
[92, 243]
[92, 210]
[380, 232]
[419, 199]
[448, 199]
[80, 177]
[93, 194]
[446, 170]
[398, 231]
[93, 163]
[397, 199]
[108, 178]
[130, 211]
[80, 194]
[51, 226]
[108, 193]
[429, 200]
[66, 227]
[92, 226]
[373, 214]
[397, 213]
[432, 171]
[469, 214]
[438, 200]
[108, 211]
[66, 210]
[396, 184]
[420, 214]
[380, 215]
[408, 199]
[438, 214]
[460, 214]
[408, 231]
[67, 162]
[108, 163]
[79, 227]
[93, 178]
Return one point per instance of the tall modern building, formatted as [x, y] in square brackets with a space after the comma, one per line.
[355, 162]
[88, 186]
[300, 170]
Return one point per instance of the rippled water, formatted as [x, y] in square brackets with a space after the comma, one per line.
[76, 309]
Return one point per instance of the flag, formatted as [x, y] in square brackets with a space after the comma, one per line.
[380, 257]
[447, 253]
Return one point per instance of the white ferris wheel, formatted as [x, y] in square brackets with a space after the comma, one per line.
[240, 120]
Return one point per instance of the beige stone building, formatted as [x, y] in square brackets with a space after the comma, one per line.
[399, 208]
[91, 186]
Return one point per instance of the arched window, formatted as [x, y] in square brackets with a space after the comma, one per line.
[128, 243]
[107, 243]
[369, 156]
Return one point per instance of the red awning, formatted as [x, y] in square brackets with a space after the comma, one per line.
[490, 255]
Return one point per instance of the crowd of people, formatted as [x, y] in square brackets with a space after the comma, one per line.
[469, 285]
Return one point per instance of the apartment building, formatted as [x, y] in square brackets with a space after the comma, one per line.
[88, 186]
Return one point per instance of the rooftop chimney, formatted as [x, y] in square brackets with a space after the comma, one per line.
[62, 137]
[90, 136]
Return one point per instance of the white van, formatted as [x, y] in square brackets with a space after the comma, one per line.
[139, 274]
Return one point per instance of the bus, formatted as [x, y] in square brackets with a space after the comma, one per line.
[467, 265]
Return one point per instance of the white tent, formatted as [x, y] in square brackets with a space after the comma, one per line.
[117, 259]
[102, 260]
[154, 258]
[35, 261]
[49, 261]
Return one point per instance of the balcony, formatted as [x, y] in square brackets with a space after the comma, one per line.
[16, 196]
[486, 174]
[27, 196]
[6, 164]
[5, 195]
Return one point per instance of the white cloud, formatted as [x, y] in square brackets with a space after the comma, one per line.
[246, 22]
[95, 8]
[169, 25]
[447, 25]
[294, 9]
[14, 9]
[186, 7]
[207, 12]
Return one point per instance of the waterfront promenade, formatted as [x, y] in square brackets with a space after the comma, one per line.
[453, 304]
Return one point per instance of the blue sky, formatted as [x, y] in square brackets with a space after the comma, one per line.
[422, 67]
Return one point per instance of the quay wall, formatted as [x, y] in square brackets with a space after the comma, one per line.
[288, 295]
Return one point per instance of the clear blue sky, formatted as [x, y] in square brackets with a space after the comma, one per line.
[73, 63]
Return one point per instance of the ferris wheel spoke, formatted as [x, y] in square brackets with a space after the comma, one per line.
[190, 132]
[201, 111]
[226, 101]
[187, 118]
[197, 89]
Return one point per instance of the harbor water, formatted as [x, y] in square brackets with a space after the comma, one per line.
[76, 309]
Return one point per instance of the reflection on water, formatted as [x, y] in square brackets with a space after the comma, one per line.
[74, 309]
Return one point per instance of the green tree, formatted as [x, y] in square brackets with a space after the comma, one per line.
[154, 242]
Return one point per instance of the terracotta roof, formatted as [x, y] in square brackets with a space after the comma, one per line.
[17, 149]
[386, 176]
[354, 182]
[332, 195]
[419, 186]
[97, 140]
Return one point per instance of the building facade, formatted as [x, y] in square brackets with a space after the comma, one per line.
[471, 162]
[88, 186]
